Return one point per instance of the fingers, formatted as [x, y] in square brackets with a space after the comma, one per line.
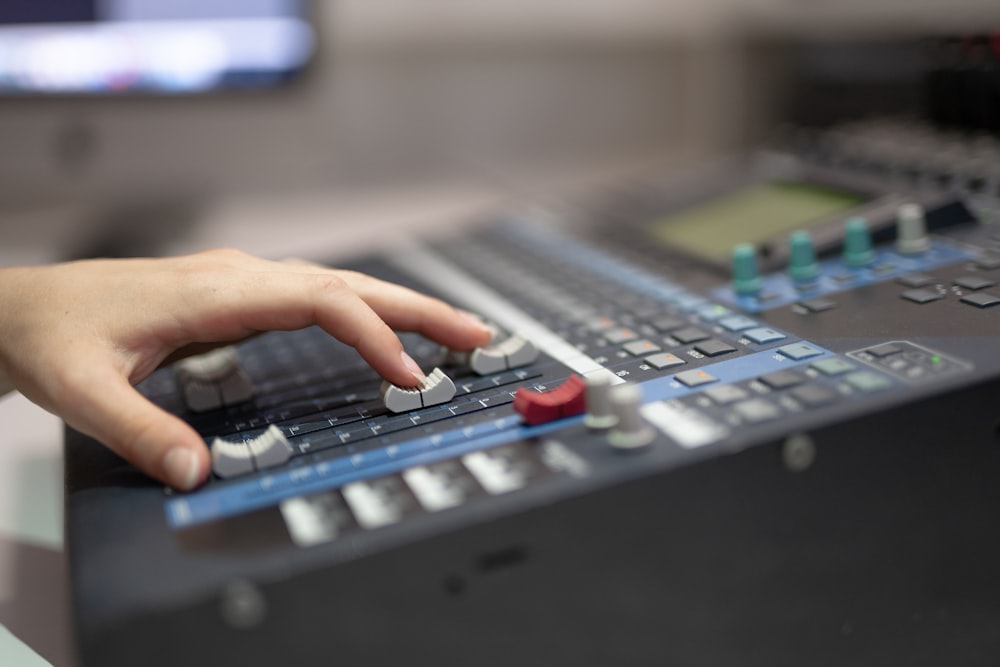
[106, 324]
[240, 303]
[363, 311]
[354, 308]
[100, 402]
[407, 310]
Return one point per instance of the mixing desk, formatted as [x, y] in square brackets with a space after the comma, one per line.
[652, 462]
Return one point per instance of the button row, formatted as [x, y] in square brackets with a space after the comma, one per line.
[978, 299]
[385, 501]
[763, 399]
[908, 361]
[793, 351]
[927, 289]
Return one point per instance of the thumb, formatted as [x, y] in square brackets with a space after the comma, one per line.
[102, 404]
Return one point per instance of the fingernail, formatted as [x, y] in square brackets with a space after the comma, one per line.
[181, 466]
[472, 318]
[412, 366]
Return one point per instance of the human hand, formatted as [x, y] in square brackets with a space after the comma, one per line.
[76, 337]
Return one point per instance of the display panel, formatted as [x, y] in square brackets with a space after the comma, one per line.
[750, 215]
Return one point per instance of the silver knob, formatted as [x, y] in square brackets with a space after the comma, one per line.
[911, 230]
[632, 430]
[599, 413]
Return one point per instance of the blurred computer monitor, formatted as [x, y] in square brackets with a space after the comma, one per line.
[131, 112]
[171, 47]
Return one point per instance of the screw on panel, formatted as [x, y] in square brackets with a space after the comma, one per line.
[243, 606]
[798, 452]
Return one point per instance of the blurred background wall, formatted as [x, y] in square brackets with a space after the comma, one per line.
[473, 92]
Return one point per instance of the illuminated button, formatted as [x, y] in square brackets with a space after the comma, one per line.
[436, 388]
[737, 323]
[763, 335]
[566, 400]
[620, 335]
[711, 312]
[513, 352]
[974, 282]
[599, 324]
[833, 366]
[695, 378]
[981, 300]
[714, 348]
[664, 360]
[797, 351]
[638, 348]
[867, 381]
[690, 335]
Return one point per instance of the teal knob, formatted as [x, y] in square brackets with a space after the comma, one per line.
[802, 264]
[857, 243]
[746, 280]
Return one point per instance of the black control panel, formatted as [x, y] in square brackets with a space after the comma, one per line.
[654, 462]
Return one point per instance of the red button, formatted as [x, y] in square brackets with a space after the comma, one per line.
[566, 400]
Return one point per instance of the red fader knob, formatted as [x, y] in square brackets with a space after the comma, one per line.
[566, 400]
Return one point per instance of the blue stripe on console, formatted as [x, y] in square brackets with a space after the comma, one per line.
[265, 490]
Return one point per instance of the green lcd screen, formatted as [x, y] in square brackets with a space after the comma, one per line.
[751, 215]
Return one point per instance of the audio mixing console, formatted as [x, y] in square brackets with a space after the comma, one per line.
[651, 463]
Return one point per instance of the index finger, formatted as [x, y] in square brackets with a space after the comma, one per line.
[240, 303]
[405, 309]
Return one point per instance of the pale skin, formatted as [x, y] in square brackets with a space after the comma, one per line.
[75, 338]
